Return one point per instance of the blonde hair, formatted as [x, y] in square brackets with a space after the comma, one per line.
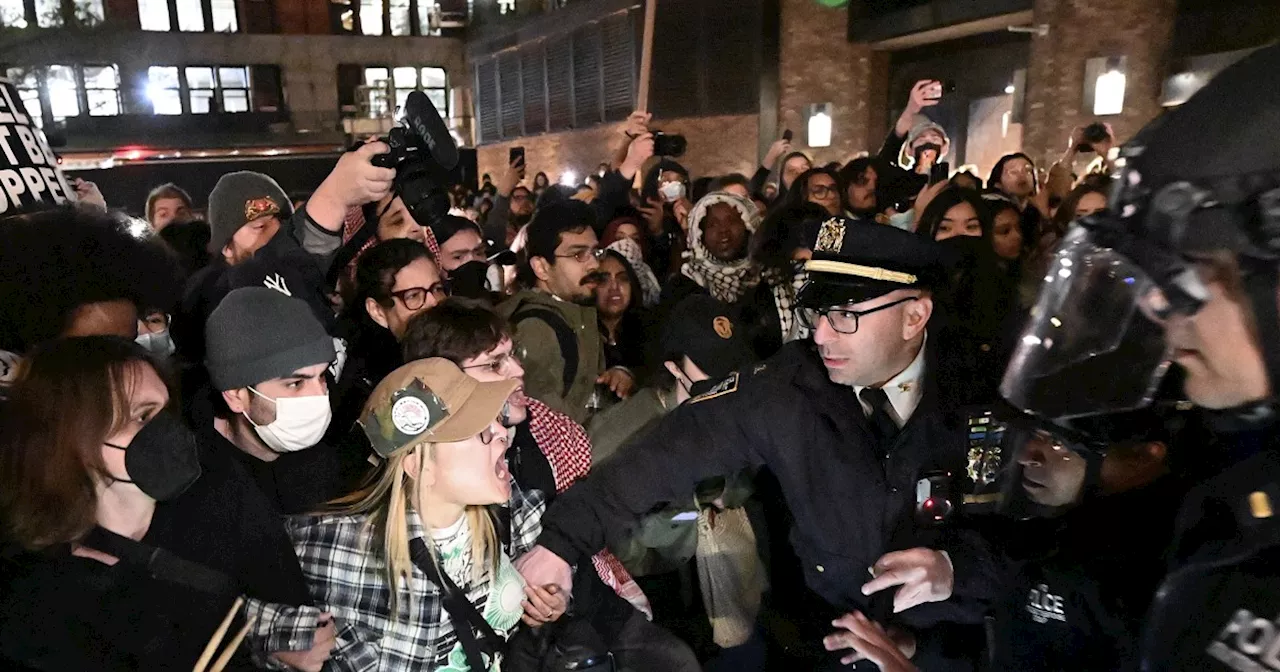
[386, 499]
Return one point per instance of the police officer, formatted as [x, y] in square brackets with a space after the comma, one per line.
[849, 424]
[1184, 266]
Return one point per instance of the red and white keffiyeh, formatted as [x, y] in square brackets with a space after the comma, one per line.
[566, 446]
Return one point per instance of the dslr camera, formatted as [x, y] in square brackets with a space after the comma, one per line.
[1093, 133]
[422, 154]
[669, 144]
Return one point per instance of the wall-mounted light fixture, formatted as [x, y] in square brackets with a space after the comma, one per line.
[819, 115]
[1104, 85]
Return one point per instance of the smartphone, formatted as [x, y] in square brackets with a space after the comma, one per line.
[939, 172]
[516, 153]
[786, 135]
[939, 87]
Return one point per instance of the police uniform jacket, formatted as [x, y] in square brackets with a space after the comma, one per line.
[852, 501]
[1217, 608]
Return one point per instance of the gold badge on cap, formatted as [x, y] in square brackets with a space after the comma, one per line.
[723, 327]
[830, 236]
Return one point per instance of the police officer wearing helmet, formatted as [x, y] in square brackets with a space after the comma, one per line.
[1184, 266]
[851, 427]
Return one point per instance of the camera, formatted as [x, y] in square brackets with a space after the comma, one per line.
[422, 154]
[669, 144]
[1093, 133]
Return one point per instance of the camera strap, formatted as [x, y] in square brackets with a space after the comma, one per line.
[161, 564]
[466, 621]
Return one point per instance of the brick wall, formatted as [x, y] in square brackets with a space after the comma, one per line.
[819, 65]
[717, 145]
[1141, 30]
[302, 17]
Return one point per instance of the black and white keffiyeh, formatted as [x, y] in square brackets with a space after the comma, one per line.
[725, 281]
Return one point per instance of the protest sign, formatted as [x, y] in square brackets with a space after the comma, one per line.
[29, 172]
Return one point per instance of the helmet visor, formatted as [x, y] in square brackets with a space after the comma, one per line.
[1093, 343]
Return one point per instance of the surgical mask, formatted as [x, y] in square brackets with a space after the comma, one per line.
[672, 191]
[159, 344]
[300, 422]
[162, 458]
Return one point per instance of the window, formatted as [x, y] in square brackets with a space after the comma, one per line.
[193, 16]
[164, 90]
[13, 14]
[371, 12]
[384, 87]
[154, 14]
[102, 90]
[50, 13]
[234, 84]
[27, 80]
[60, 91]
[401, 18]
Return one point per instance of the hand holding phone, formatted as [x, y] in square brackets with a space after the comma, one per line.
[940, 171]
[786, 135]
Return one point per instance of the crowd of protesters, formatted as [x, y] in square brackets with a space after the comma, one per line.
[679, 421]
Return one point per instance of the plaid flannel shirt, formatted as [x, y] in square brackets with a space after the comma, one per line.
[346, 574]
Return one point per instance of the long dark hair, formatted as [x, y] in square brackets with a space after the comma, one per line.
[993, 181]
[798, 194]
[71, 395]
[782, 231]
[951, 196]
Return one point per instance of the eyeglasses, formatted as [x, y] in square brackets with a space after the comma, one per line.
[499, 364]
[584, 254]
[843, 320]
[416, 297]
[822, 190]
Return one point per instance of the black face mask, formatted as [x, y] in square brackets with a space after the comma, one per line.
[162, 458]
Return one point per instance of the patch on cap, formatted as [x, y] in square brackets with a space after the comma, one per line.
[723, 327]
[830, 236]
[408, 414]
[259, 207]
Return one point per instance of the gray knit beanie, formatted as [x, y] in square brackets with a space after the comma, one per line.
[258, 334]
[239, 198]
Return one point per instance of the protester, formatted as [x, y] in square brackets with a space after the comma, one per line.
[93, 277]
[1006, 229]
[779, 249]
[554, 319]
[461, 241]
[955, 212]
[394, 281]
[167, 203]
[513, 205]
[720, 228]
[383, 559]
[619, 313]
[540, 183]
[820, 186]
[153, 334]
[626, 225]
[548, 453]
[123, 547]
[733, 183]
[269, 407]
[861, 180]
[665, 205]
[649, 290]
[912, 147]
[779, 173]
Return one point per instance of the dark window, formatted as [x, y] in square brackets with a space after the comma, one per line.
[560, 84]
[534, 79]
[616, 33]
[509, 94]
[487, 101]
[587, 103]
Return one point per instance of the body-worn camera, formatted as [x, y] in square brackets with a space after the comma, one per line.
[669, 144]
[422, 154]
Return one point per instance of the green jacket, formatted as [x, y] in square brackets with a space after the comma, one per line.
[543, 362]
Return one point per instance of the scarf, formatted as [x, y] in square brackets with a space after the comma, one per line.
[566, 446]
[725, 281]
[353, 222]
[649, 288]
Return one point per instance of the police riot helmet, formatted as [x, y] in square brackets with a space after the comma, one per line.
[1200, 180]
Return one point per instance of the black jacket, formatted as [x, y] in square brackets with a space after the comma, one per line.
[1217, 607]
[851, 503]
[1077, 597]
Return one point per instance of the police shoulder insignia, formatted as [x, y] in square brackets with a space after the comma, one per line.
[830, 236]
[727, 386]
[758, 368]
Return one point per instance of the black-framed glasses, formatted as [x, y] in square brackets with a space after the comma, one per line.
[823, 190]
[843, 320]
[583, 255]
[414, 298]
[498, 364]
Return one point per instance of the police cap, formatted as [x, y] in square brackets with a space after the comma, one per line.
[858, 260]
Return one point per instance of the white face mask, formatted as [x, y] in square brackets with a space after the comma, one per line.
[160, 345]
[300, 422]
[672, 191]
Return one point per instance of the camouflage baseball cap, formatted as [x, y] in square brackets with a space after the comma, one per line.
[430, 401]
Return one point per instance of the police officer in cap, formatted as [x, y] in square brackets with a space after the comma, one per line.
[850, 425]
[1184, 266]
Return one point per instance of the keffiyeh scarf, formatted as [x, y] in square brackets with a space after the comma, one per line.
[649, 288]
[785, 290]
[566, 446]
[725, 281]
